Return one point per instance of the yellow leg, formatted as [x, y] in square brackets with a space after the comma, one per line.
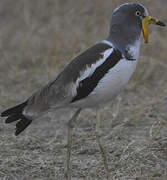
[102, 151]
[71, 124]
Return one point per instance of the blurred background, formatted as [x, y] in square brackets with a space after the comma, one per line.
[37, 39]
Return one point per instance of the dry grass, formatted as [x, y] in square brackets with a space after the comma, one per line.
[37, 39]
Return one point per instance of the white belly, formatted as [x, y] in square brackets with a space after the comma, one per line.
[110, 85]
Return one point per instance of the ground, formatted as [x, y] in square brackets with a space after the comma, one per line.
[37, 39]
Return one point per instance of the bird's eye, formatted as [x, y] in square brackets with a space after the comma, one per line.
[138, 13]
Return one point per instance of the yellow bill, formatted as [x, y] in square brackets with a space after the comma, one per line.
[145, 22]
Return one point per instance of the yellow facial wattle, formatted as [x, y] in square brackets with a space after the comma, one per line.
[145, 22]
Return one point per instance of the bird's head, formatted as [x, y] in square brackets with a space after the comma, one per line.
[127, 22]
[130, 19]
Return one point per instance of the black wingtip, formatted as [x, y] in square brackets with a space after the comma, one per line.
[13, 118]
[22, 124]
[3, 114]
[15, 113]
[17, 109]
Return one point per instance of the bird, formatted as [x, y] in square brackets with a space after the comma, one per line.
[93, 78]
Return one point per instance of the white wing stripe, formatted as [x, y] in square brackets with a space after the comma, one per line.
[90, 69]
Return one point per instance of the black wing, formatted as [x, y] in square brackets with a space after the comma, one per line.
[87, 85]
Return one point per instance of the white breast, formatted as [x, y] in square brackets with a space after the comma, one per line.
[114, 81]
[109, 86]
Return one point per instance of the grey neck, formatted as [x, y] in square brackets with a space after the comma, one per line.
[122, 38]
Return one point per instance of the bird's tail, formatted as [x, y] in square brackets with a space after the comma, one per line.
[16, 113]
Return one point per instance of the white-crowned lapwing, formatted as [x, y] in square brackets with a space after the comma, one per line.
[94, 77]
